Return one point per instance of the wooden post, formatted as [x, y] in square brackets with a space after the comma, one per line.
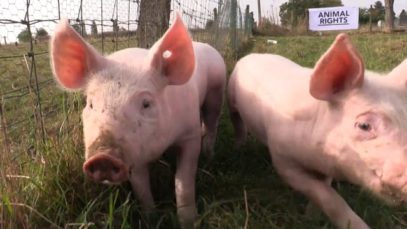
[389, 25]
[4, 128]
[370, 18]
[259, 8]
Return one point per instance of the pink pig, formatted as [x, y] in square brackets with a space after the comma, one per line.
[334, 121]
[141, 102]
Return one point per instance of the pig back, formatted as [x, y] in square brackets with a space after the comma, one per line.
[268, 89]
[210, 70]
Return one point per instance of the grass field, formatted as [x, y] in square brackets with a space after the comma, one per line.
[43, 186]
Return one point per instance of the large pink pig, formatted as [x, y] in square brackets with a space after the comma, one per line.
[334, 121]
[139, 103]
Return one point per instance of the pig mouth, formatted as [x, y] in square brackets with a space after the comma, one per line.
[394, 196]
[103, 168]
[391, 194]
[391, 189]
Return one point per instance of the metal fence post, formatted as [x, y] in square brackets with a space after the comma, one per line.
[33, 72]
[101, 25]
[233, 27]
[6, 142]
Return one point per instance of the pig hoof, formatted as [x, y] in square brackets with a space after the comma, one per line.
[187, 217]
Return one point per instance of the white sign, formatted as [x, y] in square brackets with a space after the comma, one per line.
[333, 18]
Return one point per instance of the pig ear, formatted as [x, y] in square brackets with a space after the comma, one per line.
[72, 59]
[340, 68]
[173, 55]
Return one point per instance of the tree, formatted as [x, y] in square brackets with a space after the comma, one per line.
[329, 3]
[153, 21]
[23, 36]
[41, 34]
[389, 15]
[378, 11]
[94, 28]
[403, 18]
[364, 15]
[293, 11]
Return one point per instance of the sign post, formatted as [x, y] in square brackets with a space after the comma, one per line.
[333, 18]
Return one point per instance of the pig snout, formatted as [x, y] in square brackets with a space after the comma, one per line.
[106, 169]
[394, 180]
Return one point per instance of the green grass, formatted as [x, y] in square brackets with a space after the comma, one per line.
[381, 52]
[238, 185]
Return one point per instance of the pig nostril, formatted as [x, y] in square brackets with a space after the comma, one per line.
[103, 167]
[115, 169]
[91, 169]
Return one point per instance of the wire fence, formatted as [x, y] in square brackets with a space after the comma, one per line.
[31, 106]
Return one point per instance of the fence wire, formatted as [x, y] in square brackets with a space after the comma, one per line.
[31, 104]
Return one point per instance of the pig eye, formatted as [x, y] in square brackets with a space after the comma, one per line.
[146, 104]
[367, 126]
[90, 105]
[364, 126]
[365, 131]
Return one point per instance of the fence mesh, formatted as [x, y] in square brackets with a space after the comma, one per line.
[29, 97]
[33, 111]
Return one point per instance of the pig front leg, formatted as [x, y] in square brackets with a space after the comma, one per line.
[187, 162]
[311, 209]
[320, 193]
[140, 182]
[240, 130]
[211, 110]
[239, 127]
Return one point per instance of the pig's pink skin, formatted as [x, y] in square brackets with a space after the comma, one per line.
[140, 102]
[310, 120]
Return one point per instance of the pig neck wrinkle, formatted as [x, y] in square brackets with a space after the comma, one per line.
[315, 126]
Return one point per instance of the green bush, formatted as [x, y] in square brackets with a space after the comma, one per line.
[23, 36]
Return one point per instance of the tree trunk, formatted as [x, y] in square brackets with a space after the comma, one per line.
[153, 21]
[388, 5]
